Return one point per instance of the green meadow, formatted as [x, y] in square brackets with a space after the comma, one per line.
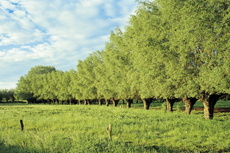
[81, 128]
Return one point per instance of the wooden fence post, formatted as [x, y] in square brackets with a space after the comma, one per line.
[22, 126]
[109, 130]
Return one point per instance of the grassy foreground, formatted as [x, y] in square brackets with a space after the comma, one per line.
[83, 129]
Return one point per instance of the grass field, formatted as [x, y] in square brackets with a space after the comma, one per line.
[65, 128]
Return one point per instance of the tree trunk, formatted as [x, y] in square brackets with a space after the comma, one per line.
[115, 102]
[56, 101]
[107, 102]
[170, 103]
[189, 102]
[147, 102]
[70, 101]
[123, 101]
[89, 102]
[129, 102]
[209, 102]
[85, 102]
[99, 102]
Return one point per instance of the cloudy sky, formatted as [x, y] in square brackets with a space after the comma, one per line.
[54, 32]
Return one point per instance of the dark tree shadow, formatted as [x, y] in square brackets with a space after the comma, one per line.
[15, 149]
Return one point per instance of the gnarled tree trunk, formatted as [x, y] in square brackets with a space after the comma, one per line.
[115, 102]
[170, 103]
[209, 102]
[147, 102]
[189, 102]
[129, 102]
[70, 101]
[56, 101]
[89, 102]
[85, 102]
[99, 102]
[79, 102]
[107, 102]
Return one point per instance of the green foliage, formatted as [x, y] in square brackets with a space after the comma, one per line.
[100, 71]
[32, 86]
[63, 87]
[7, 94]
[86, 79]
[1, 96]
[170, 49]
[144, 38]
[21, 91]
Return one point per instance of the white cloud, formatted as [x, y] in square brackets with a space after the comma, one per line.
[7, 4]
[7, 85]
[20, 13]
[2, 53]
[21, 38]
[56, 32]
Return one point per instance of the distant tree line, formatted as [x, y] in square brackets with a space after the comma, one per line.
[6, 95]
[170, 49]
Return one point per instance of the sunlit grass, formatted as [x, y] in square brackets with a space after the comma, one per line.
[83, 129]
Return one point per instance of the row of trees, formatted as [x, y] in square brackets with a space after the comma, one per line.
[171, 49]
[7, 95]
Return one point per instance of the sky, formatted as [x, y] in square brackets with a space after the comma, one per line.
[55, 33]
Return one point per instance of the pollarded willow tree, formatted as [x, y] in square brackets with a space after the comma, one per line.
[147, 42]
[119, 66]
[40, 90]
[102, 77]
[71, 87]
[199, 35]
[30, 86]
[33, 75]
[75, 87]
[64, 85]
[86, 79]
[99, 72]
[22, 90]
[171, 49]
[52, 85]
[109, 77]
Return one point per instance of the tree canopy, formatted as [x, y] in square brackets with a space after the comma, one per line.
[170, 49]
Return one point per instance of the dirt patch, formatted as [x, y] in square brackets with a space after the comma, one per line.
[216, 110]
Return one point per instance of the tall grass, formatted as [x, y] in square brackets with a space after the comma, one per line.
[83, 129]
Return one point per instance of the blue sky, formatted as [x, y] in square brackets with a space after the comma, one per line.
[55, 32]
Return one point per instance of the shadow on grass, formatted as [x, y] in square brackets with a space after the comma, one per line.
[14, 149]
[120, 146]
[13, 103]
